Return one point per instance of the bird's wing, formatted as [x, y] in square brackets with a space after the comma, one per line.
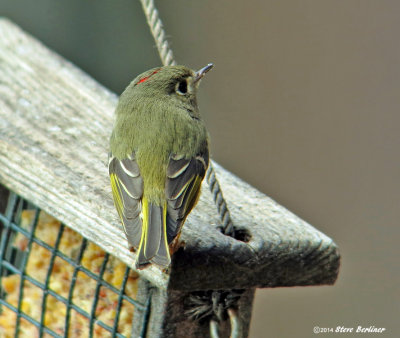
[147, 231]
[144, 222]
[182, 189]
[127, 190]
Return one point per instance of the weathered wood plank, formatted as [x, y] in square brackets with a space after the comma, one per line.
[55, 122]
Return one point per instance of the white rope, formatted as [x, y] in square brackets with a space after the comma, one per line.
[236, 327]
[157, 30]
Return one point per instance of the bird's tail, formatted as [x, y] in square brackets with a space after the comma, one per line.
[153, 245]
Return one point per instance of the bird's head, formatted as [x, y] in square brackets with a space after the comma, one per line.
[175, 85]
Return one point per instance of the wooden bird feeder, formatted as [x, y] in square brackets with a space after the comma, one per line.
[55, 123]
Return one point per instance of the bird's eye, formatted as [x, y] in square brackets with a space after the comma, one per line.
[181, 87]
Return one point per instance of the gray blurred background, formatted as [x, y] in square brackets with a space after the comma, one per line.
[303, 103]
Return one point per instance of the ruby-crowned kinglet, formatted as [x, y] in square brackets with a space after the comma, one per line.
[158, 159]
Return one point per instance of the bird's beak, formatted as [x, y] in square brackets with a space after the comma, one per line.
[200, 73]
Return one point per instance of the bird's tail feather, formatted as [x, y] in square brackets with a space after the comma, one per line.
[153, 243]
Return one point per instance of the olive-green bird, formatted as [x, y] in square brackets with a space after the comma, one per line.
[158, 159]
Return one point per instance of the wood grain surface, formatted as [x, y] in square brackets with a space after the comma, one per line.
[55, 123]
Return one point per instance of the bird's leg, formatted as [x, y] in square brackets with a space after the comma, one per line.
[176, 244]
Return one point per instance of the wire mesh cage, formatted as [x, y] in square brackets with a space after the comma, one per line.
[55, 283]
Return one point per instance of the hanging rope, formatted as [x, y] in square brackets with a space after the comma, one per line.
[167, 58]
[156, 27]
[215, 188]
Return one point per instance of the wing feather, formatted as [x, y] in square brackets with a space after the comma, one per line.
[127, 189]
[182, 188]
